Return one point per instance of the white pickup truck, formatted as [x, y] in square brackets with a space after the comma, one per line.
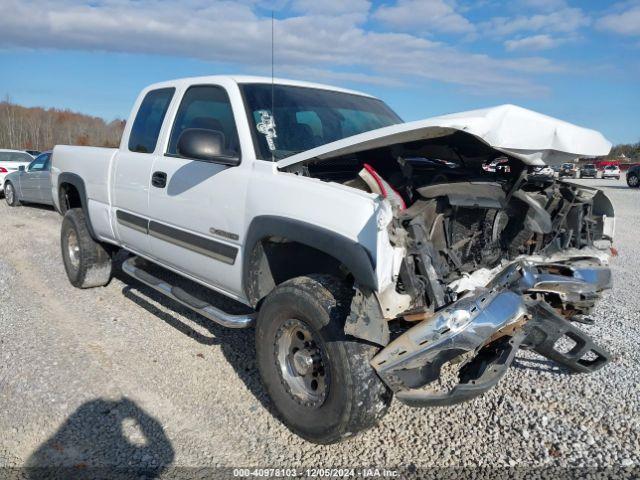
[372, 253]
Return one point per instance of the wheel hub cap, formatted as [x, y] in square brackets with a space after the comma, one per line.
[301, 365]
[9, 193]
[73, 248]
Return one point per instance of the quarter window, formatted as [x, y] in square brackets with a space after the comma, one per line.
[148, 122]
[208, 107]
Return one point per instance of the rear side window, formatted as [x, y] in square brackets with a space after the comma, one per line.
[208, 107]
[148, 122]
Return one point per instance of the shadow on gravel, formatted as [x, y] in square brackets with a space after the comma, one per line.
[39, 206]
[104, 439]
[238, 346]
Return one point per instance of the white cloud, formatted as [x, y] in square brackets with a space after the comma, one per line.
[625, 22]
[331, 7]
[568, 20]
[307, 45]
[544, 5]
[428, 15]
[534, 42]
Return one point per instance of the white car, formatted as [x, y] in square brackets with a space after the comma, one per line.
[611, 171]
[11, 161]
[369, 251]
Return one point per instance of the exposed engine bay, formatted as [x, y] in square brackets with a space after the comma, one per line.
[496, 259]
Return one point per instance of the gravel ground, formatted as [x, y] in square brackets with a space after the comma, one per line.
[118, 376]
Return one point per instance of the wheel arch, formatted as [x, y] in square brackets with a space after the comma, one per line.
[303, 246]
[73, 194]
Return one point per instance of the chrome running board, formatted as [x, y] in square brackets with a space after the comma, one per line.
[179, 295]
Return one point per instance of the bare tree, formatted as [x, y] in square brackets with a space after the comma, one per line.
[40, 129]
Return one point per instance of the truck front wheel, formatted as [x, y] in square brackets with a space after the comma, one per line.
[319, 379]
[87, 262]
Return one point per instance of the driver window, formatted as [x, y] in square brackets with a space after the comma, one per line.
[39, 164]
[207, 107]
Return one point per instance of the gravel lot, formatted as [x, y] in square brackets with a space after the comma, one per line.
[120, 376]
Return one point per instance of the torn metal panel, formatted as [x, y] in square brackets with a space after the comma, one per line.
[366, 320]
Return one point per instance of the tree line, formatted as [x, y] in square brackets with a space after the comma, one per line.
[36, 128]
[629, 150]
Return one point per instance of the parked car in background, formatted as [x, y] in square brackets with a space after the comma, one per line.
[31, 183]
[569, 170]
[611, 171]
[545, 172]
[633, 176]
[589, 171]
[10, 161]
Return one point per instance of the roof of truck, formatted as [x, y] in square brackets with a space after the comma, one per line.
[239, 79]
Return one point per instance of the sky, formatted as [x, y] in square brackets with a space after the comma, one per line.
[575, 60]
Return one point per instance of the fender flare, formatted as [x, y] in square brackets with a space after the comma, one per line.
[78, 183]
[349, 252]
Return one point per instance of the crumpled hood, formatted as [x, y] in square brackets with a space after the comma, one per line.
[532, 137]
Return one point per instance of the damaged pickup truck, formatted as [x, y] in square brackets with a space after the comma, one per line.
[376, 257]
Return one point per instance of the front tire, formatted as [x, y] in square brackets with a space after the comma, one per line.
[10, 195]
[633, 180]
[320, 380]
[87, 262]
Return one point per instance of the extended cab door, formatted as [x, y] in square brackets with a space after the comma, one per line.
[132, 173]
[197, 207]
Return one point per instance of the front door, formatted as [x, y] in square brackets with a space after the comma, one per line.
[197, 211]
[132, 175]
[30, 179]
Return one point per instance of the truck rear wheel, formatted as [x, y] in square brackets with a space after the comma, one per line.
[87, 262]
[319, 379]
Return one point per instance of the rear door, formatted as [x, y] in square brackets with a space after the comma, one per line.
[132, 175]
[197, 212]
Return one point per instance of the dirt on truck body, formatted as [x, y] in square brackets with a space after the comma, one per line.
[496, 260]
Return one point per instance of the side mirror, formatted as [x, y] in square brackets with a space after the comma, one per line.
[205, 145]
[22, 168]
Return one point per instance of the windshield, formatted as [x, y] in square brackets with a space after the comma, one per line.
[610, 167]
[15, 157]
[308, 117]
[590, 166]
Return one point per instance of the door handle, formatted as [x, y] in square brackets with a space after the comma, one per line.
[159, 179]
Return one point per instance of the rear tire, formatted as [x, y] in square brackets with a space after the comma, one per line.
[348, 396]
[87, 262]
[10, 195]
[633, 180]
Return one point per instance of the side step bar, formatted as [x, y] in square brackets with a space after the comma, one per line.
[179, 295]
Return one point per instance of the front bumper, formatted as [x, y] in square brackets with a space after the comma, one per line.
[527, 305]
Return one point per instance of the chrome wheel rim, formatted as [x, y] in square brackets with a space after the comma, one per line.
[8, 193]
[633, 181]
[73, 249]
[301, 364]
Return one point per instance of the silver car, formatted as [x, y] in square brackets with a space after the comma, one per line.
[30, 184]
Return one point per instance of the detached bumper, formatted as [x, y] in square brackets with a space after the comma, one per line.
[513, 312]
